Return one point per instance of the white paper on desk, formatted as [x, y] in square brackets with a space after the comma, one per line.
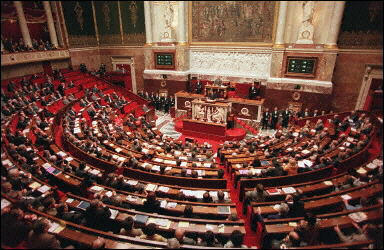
[108, 194]
[145, 151]
[301, 164]
[213, 194]
[361, 171]
[289, 149]
[177, 153]
[183, 164]
[68, 159]
[255, 171]
[156, 168]
[183, 158]
[377, 162]
[115, 157]
[308, 163]
[94, 172]
[151, 187]
[118, 150]
[295, 134]
[96, 188]
[7, 162]
[4, 203]
[69, 200]
[53, 227]
[158, 160]
[171, 204]
[346, 197]
[163, 204]
[198, 164]
[346, 144]
[46, 165]
[114, 213]
[209, 226]
[371, 166]
[341, 148]
[305, 151]
[163, 189]
[313, 130]
[167, 169]
[243, 171]
[199, 194]
[43, 189]
[289, 190]
[170, 162]
[132, 182]
[207, 165]
[121, 158]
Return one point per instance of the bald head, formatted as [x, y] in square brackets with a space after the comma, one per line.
[99, 243]
[179, 234]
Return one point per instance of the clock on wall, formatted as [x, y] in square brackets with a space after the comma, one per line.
[301, 66]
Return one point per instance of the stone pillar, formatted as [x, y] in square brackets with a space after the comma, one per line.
[57, 24]
[148, 22]
[23, 23]
[334, 28]
[51, 25]
[279, 39]
[2, 45]
[181, 23]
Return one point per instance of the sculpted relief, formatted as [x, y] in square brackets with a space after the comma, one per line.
[231, 63]
[233, 21]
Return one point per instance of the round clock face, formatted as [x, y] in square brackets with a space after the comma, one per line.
[296, 96]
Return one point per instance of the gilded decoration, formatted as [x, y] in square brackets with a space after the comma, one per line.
[233, 21]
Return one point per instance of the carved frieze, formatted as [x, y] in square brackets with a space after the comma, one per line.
[255, 65]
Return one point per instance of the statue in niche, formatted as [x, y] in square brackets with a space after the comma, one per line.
[107, 19]
[79, 15]
[306, 28]
[168, 35]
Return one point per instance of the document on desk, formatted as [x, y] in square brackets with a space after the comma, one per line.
[183, 164]
[114, 213]
[224, 209]
[163, 204]
[289, 190]
[151, 187]
[361, 171]
[163, 189]
[358, 216]
[171, 204]
[346, 197]
[183, 224]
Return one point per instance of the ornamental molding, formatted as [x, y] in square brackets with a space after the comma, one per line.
[311, 86]
[26, 57]
[232, 63]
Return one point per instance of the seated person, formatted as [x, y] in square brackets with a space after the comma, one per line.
[188, 212]
[367, 232]
[128, 229]
[151, 204]
[308, 230]
[236, 240]
[150, 233]
[257, 195]
[180, 236]
[296, 206]
[209, 240]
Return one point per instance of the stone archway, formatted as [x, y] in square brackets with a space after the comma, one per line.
[126, 60]
[371, 72]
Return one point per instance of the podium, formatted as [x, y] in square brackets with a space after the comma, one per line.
[210, 111]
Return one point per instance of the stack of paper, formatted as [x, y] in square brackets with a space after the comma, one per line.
[243, 171]
[132, 182]
[371, 166]
[96, 188]
[156, 168]
[328, 183]
[94, 172]
[43, 189]
[158, 160]
[108, 194]
[118, 150]
[4, 203]
[207, 165]
[34, 185]
[183, 164]
[163, 203]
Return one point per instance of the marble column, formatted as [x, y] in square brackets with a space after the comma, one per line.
[334, 28]
[23, 23]
[51, 25]
[57, 24]
[279, 39]
[181, 23]
[148, 22]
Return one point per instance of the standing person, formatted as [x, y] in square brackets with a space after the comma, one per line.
[265, 119]
[274, 118]
[286, 115]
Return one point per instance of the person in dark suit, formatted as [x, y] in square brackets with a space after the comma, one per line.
[97, 215]
[254, 91]
[286, 115]
[39, 238]
[296, 206]
[151, 204]
[274, 118]
[265, 119]
[199, 87]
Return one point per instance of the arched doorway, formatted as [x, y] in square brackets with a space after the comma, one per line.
[126, 63]
[369, 94]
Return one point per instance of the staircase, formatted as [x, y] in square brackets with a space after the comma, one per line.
[245, 125]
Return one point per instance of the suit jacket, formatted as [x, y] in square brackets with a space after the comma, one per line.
[42, 241]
